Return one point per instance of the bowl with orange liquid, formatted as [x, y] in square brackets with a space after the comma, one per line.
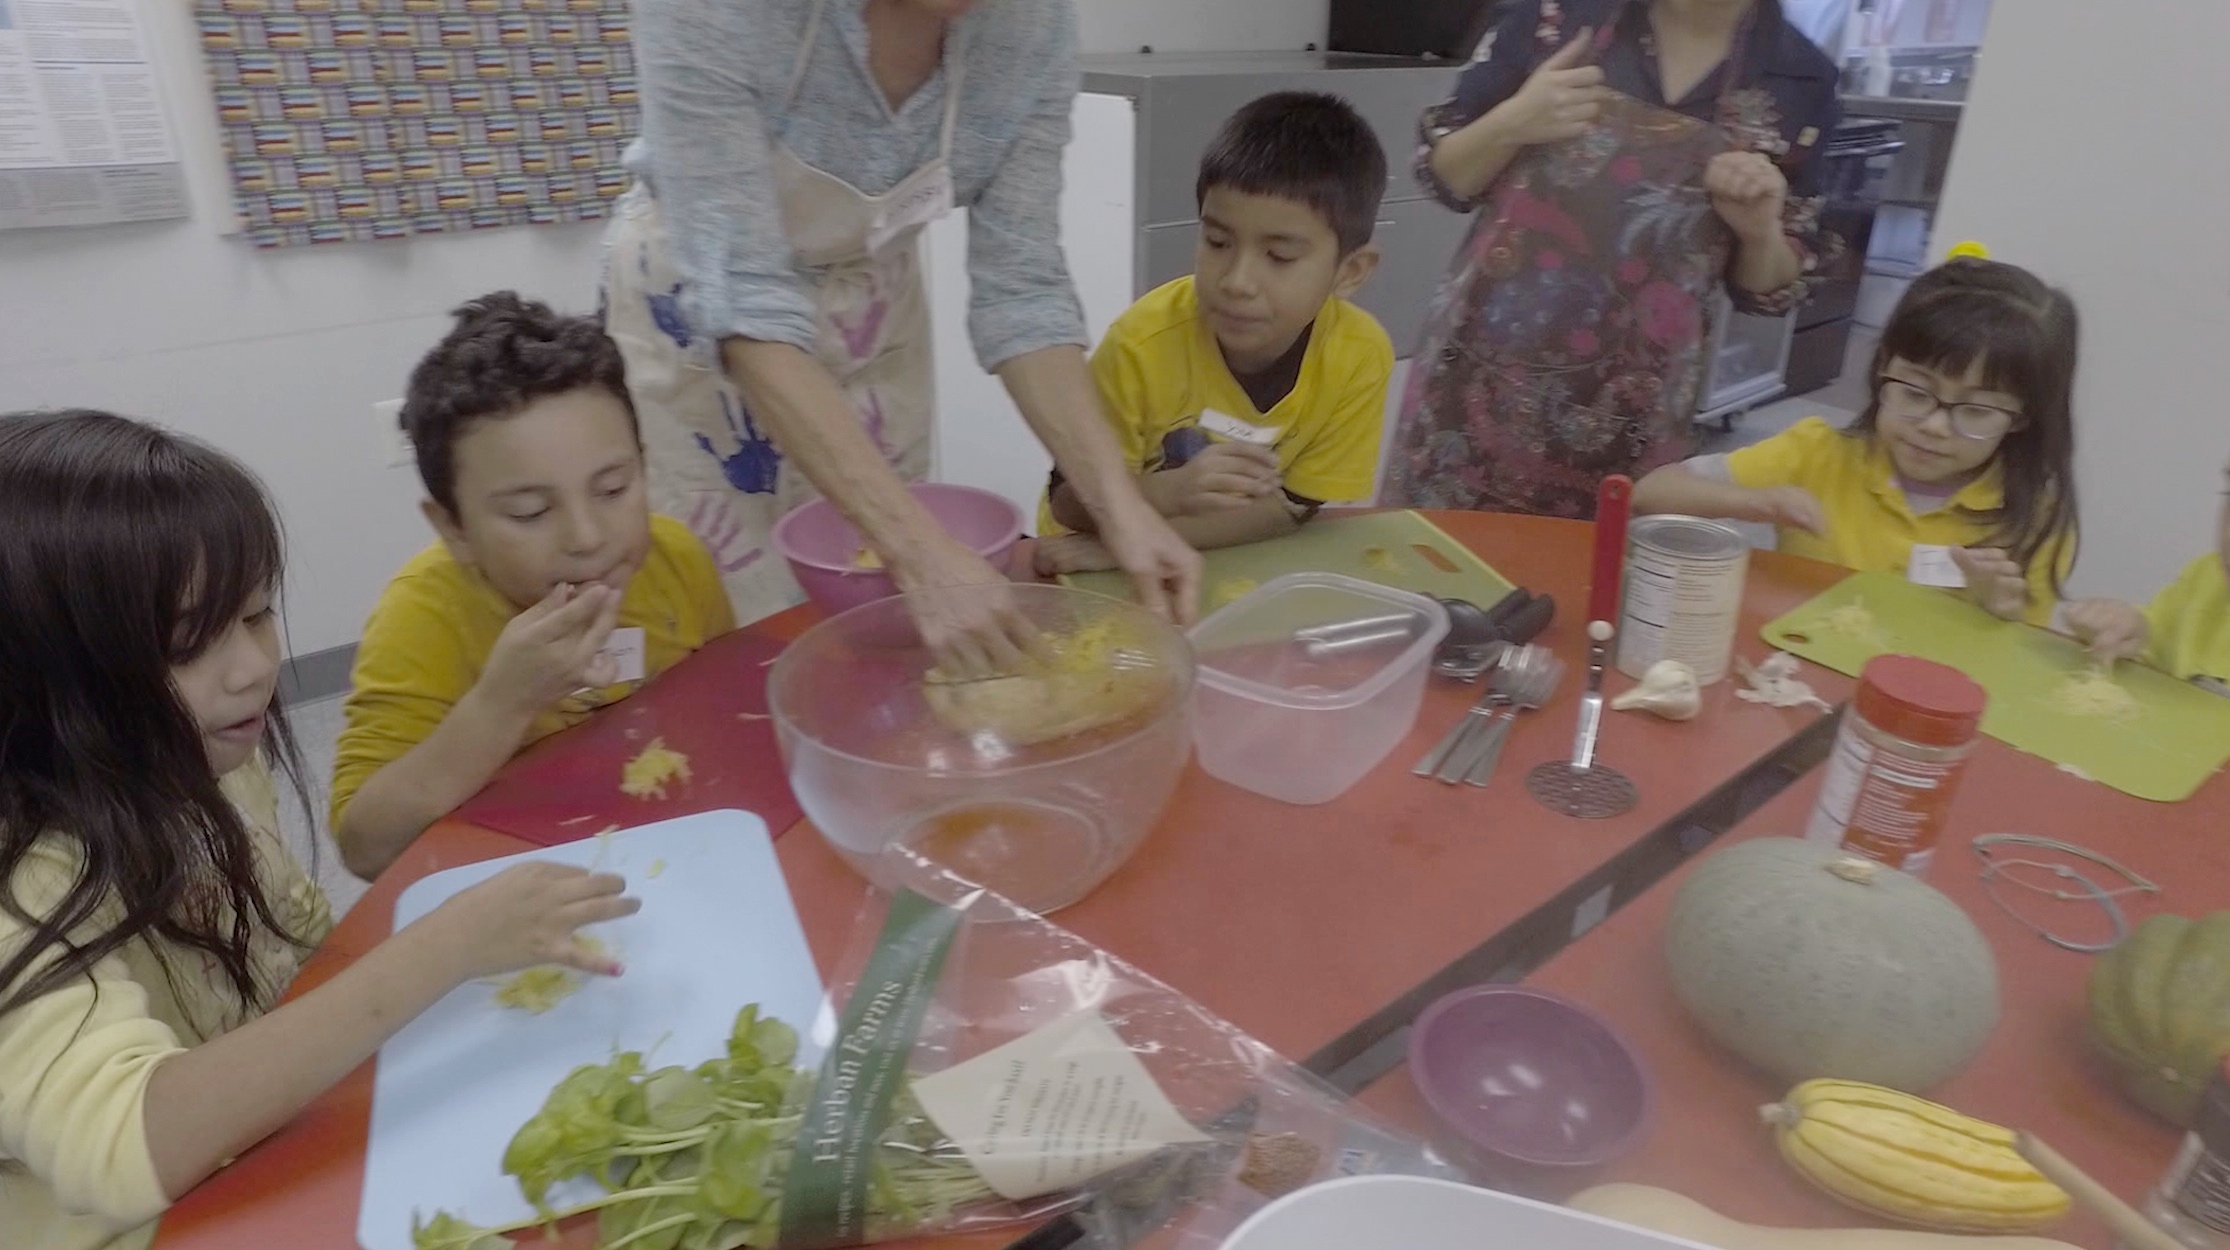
[1037, 784]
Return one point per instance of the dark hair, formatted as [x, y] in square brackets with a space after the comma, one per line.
[2024, 333]
[125, 550]
[1304, 146]
[504, 353]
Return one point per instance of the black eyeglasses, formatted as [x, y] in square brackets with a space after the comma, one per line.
[1907, 402]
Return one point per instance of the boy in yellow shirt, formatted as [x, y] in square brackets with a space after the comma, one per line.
[552, 591]
[2184, 632]
[1252, 393]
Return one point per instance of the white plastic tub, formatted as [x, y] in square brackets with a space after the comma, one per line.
[1417, 1213]
[1288, 718]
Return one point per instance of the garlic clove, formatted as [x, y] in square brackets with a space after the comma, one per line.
[1668, 690]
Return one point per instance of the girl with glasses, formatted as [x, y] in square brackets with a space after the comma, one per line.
[1959, 472]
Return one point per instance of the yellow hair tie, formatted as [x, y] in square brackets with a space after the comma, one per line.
[1968, 250]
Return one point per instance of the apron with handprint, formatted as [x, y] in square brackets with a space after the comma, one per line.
[1568, 342]
[711, 464]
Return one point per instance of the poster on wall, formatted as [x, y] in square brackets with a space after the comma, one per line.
[83, 138]
[350, 121]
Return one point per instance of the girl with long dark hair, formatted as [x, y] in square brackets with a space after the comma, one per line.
[150, 917]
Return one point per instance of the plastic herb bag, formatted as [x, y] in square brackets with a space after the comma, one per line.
[978, 1066]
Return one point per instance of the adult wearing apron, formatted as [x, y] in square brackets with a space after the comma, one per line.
[1625, 157]
[764, 280]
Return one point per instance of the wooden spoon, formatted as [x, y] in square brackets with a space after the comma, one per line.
[2127, 1222]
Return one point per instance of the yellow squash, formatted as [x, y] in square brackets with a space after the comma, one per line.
[1910, 1160]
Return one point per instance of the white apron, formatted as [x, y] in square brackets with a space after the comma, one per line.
[711, 465]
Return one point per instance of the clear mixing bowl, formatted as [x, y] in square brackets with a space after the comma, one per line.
[1038, 785]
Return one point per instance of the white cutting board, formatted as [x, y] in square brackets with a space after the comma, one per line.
[717, 930]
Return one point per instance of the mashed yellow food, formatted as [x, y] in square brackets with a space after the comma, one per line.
[2093, 694]
[538, 989]
[650, 772]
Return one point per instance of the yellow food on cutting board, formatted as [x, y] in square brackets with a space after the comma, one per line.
[865, 560]
[652, 770]
[1856, 620]
[1663, 1211]
[540, 988]
[1231, 590]
[1907, 1159]
[2093, 694]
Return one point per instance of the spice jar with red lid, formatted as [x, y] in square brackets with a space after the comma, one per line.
[1898, 759]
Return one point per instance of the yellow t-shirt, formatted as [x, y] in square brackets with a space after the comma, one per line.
[2190, 620]
[75, 1172]
[1159, 368]
[436, 623]
[1871, 526]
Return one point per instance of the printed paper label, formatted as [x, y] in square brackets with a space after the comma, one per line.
[1052, 1109]
[1933, 566]
[1224, 425]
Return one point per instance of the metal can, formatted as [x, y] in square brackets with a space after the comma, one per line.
[1683, 595]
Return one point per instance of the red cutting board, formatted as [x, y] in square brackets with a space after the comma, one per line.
[710, 707]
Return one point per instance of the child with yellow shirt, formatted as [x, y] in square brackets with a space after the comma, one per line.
[150, 915]
[1252, 393]
[552, 591]
[1959, 473]
[2184, 632]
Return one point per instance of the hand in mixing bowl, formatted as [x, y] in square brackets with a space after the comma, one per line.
[964, 609]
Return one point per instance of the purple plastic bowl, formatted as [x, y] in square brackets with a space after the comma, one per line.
[821, 545]
[1527, 1078]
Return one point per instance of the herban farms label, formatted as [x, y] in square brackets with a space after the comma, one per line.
[1053, 1108]
[832, 1166]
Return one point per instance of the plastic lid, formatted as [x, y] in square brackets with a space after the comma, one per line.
[1920, 700]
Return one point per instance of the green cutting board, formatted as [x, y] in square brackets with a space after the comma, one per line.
[2180, 737]
[1398, 549]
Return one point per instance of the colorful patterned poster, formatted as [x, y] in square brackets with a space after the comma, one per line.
[353, 120]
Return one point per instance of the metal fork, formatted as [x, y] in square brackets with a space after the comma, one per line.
[1538, 687]
[1496, 694]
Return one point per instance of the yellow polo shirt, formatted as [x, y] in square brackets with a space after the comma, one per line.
[436, 623]
[2190, 621]
[1159, 368]
[1871, 526]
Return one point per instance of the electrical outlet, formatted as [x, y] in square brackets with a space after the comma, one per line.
[388, 413]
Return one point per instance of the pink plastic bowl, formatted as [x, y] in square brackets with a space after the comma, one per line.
[821, 545]
[1526, 1078]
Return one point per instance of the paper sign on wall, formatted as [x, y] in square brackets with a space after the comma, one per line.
[83, 137]
[1052, 1109]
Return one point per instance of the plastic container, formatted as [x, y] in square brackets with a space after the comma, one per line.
[1898, 761]
[1283, 715]
[2193, 1201]
[1420, 1213]
[1530, 1087]
[824, 550]
[1038, 790]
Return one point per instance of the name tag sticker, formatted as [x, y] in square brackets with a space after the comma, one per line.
[1933, 566]
[625, 648]
[1224, 425]
[924, 197]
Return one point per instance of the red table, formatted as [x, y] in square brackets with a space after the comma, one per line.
[2037, 1073]
[1297, 924]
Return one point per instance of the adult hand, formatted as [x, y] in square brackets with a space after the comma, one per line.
[2113, 630]
[1994, 581]
[552, 649]
[1224, 477]
[1072, 553]
[1790, 506]
[1747, 191]
[1164, 566]
[965, 610]
[525, 916]
[1560, 100]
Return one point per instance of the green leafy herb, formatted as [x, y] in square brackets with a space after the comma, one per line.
[696, 1159]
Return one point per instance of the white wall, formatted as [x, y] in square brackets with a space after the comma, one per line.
[279, 356]
[2113, 186]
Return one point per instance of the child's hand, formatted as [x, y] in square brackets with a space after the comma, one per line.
[1224, 477]
[1073, 553]
[1792, 507]
[1747, 191]
[527, 915]
[2113, 630]
[551, 650]
[1994, 581]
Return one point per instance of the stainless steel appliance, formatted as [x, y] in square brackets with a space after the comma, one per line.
[1857, 164]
